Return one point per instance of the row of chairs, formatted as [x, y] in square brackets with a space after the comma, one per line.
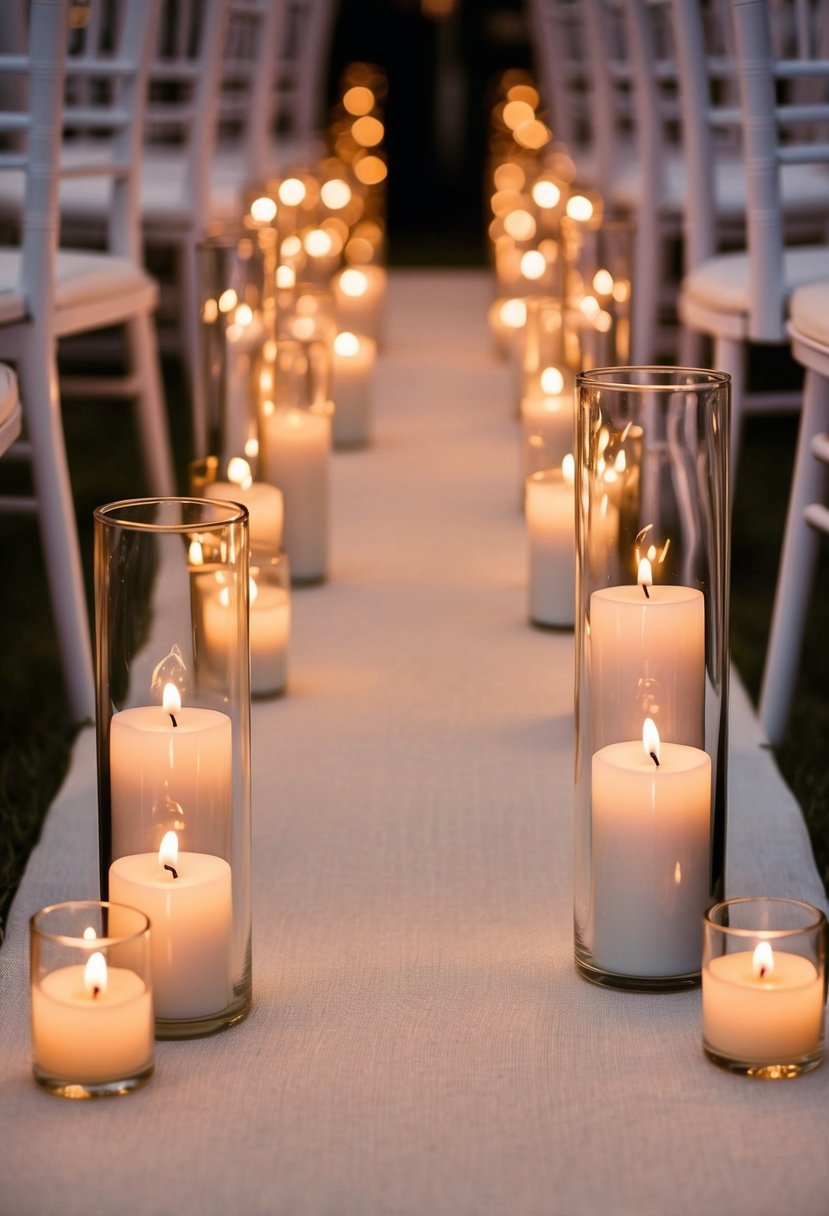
[707, 122]
[125, 126]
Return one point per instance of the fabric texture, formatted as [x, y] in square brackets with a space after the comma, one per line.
[420, 1043]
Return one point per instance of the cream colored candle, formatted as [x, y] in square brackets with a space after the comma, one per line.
[187, 899]
[507, 318]
[353, 372]
[360, 294]
[167, 755]
[270, 628]
[647, 656]
[296, 446]
[761, 1007]
[263, 501]
[551, 532]
[91, 1024]
[551, 418]
[651, 873]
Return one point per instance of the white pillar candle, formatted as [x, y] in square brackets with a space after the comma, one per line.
[552, 420]
[360, 294]
[270, 628]
[353, 372]
[647, 654]
[263, 501]
[296, 447]
[91, 1028]
[551, 531]
[190, 910]
[507, 318]
[651, 832]
[761, 1006]
[163, 756]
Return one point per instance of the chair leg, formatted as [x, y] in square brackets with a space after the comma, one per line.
[59, 537]
[797, 566]
[730, 356]
[191, 343]
[645, 302]
[151, 413]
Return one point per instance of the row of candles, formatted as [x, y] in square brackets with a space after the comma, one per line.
[292, 317]
[562, 306]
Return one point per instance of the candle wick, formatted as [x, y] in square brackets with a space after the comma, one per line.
[655, 759]
[644, 588]
[173, 719]
[173, 871]
[96, 991]
[762, 973]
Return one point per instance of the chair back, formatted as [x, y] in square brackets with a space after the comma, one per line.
[299, 85]
[560, 58]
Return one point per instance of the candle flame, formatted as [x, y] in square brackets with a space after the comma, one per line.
[762, 964]
[89, 934]
[168, 850]
[253, 590]
[195, 553]
[353, 283]
[285, 276]
[291, 191]
[346, 343]
[645, 576]
[552, 381]
[263, 210]
[170, 699]
[95, 975]
[238, 471]
[678, 874]
[650, 739]
[568, 469]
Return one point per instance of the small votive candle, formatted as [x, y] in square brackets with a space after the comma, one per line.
[763, 986]
[92, 1006]
[550, 508]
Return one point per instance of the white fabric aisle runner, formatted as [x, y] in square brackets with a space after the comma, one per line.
[420, 1043]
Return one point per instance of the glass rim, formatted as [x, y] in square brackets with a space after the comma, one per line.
[70, 940]
[816, 921]
[619, 378]
[225, 513]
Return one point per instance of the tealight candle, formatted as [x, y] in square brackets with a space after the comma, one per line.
[263, 501]
[651, 832]
[270, 627]
[353, 371]
[507, 317]
[169, 754]
[648, 658]
[551, 531]
[763, 986]
[92, 1009]
[547, 419]
[187, 898]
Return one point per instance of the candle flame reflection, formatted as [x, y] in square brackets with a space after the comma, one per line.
[95, 975]
[762, 964]
[89, 934]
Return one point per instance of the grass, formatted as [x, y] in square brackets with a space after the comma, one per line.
[35, 732]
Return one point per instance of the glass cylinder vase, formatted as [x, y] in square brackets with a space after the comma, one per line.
[652, 536]
[173, 743]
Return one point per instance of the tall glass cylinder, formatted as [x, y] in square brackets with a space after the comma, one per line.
[173, 742]
[652, 533]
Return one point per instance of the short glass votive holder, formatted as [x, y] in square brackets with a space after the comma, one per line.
[173, 742]
[652, 531]
[764, 986]
[91, 994]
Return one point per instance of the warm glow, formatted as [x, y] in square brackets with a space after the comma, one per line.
[762, 963]
[524, 92]
[589, 307]
[317, 243]
[195, 553]
[568, 469]
[368, 132]
[228, 300]
[520, 225]
[291, 191]
[168, 851]
[359, 249]
[303, 328]
[358, 100]
[243, 315]
[370, 170]
[89, 934]
[552, 381]
[513, 313]
[291, 246]
[285, 276]
[620, 463]
[621, 291]
[603, 322]
[650, 738]
[546, 194]
[263, 210]
[252, 447]
[335, 193]
[579, 207]
[533, 134]
[516, 113]
[508, 176]
[346, 343]
[210, 311]
[95, 977]
[238, 471]
[603, 282]
[353, 283]
[533, 264]
[645, 576]
[170, 699]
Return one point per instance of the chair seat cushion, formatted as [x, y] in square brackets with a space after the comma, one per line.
[722, 283]
[809, 311]
[82, 278]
